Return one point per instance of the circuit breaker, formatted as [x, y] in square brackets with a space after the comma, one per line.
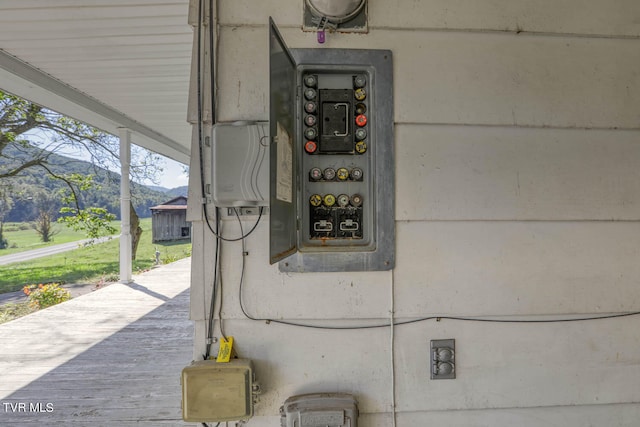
[332, 175]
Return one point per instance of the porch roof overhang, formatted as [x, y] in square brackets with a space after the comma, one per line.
[109, 63]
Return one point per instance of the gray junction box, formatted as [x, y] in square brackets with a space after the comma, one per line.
[240, 164]
[320, 410]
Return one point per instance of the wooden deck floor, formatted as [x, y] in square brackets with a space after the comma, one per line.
[109, 358]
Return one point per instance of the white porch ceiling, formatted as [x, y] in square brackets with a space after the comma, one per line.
[110, 63]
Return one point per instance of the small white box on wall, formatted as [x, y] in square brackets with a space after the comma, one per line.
[240, 164]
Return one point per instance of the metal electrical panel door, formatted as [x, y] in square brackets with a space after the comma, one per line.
[332, 176]
[282, 189]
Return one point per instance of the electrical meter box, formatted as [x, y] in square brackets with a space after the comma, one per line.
[331, 156]
[240, 164]
[320, 410]
[217, 392]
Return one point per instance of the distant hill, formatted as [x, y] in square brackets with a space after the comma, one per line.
[172, 192]
[179, 191]
[25, 187]
[158, 188]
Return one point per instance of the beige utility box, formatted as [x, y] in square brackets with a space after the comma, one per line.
[217, 392]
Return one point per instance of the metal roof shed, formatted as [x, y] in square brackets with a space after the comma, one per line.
[169, 221]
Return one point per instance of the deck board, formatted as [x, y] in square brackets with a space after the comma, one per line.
[109, 358]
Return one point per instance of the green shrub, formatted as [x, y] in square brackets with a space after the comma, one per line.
[43, 296]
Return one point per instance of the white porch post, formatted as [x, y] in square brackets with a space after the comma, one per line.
[125, 200]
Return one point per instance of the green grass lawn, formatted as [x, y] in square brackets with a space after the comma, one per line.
[27, 239]
[89, 264]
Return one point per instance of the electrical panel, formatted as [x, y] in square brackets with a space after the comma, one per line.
[332, 175]
[334, 159]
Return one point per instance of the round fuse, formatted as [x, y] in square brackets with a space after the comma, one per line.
[343, 174]
[343, 200]
[310, 120]
[361, 134]
[315, 174]
[360, 80]
[361, 147]
[329, 174]
[329, 200]
[310, 80]
[361, 120]
[310, 147]
[356, 174]
[360, 94]
[356, 200]
[315, 200]
[310, 94]
[310, 107]
[310, 133]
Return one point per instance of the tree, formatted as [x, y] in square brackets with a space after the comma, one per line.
[93, 221]
[19, 121]
[30, 134]
[5, 206]
[135, 230]
[47, 208]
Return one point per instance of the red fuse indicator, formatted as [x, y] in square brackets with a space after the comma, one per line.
[310, 147]
[361, 120]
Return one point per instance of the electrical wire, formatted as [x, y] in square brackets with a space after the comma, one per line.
[209, 333]
[212, 303]
[213, 297]
[392, 352]
[255, 169]
[455, 318]
[244, 312]
[242, 235]
[212, 62]
[199, 99]
[219, 279]
[258, 164]
[417, 320]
